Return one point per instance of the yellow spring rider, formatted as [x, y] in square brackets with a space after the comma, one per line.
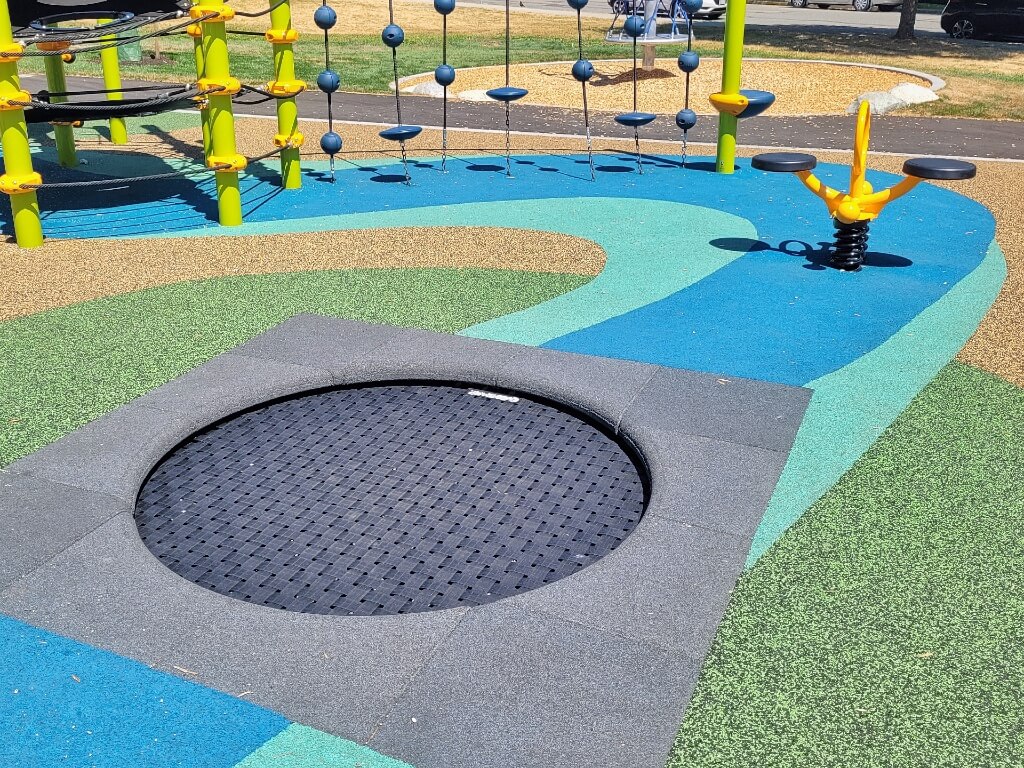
[853, 211]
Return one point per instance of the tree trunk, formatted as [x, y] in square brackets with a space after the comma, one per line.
[908, 15]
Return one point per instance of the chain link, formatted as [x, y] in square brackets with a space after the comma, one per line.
[508, 143]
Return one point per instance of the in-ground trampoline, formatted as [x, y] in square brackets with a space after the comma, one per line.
[391, 499]
[331, 468]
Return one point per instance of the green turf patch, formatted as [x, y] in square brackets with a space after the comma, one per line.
[67, 366]
[884, 629]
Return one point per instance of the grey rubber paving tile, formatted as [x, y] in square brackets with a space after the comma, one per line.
[319, 342]
[723, 408]
[515, 687]
[28, 536]
[231, 382]
[558, 375]
[593, 669]
[669, 596]
[111, 454]
[337, 674]
[716, 484]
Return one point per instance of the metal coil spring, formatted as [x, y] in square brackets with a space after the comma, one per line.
[851, 244]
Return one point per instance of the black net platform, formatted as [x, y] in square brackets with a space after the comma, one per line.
[390, 499]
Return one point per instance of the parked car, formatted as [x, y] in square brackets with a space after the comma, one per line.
[858, 5]
[712, 9]
[984, 18]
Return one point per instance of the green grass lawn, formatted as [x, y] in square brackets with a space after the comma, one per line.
[885, 629]
[987, 79]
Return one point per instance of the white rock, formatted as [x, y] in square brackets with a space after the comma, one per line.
[913, 94]
[479, 95]
[880, 101]
[426, 88]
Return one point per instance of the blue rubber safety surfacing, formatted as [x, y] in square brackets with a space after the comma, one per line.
[64, 703]
[775, 312]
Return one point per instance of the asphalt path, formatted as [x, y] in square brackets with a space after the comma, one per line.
[956, 137]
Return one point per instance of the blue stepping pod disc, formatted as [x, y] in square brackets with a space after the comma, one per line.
[635, 119]
[507, 93]
[759, 101]
[401, 132]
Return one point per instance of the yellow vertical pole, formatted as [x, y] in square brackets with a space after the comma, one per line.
[28, 228]
[221, 116]
[112, 82]
[63, 133]
[196, 32]
[283, 36]
[732, 61]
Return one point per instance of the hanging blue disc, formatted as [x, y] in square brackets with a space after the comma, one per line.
[634, 26]
[444, 7]
[758, 102]
[444, 75]
[583, 70]
[392, 35]
[692, 6]
[328, 81]
[400, 132]
[325, 17]
[689, 61]
[330, 143]
[686, 119]
[507, 93]
[577, 5]
[635, 119]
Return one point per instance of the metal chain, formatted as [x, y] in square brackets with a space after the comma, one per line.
[508, 143]
[405, 164]
[444, 116]
[586, 110]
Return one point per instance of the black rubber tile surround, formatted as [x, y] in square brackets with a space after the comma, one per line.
[594, 668]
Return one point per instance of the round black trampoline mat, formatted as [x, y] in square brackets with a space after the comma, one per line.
[390, 499]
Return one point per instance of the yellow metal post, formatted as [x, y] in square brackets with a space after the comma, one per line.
[732, 61]
[220, 114]
[63, 133]
[112, 82]
[283, 36]
[196, 32]
[28, 228]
